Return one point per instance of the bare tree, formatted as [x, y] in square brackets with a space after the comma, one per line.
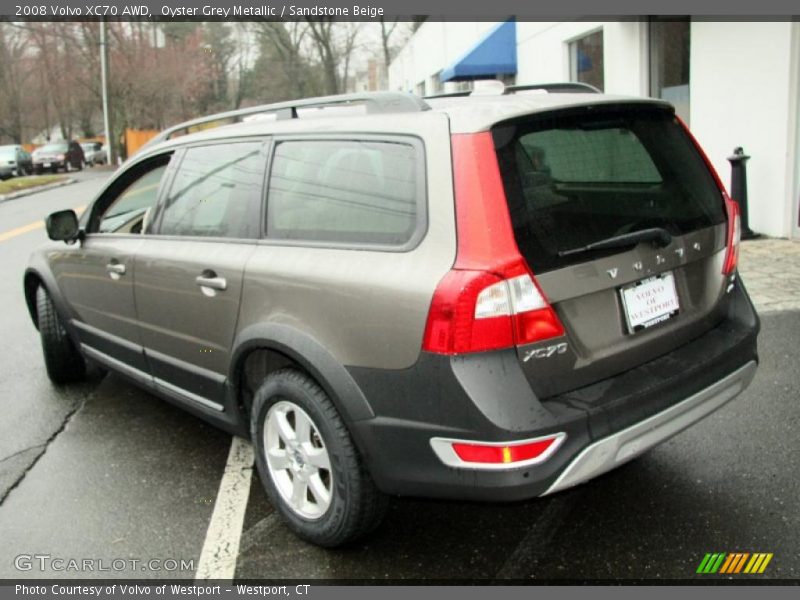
[348, 46]
[387, 29]
[286, 41]
[241, 64]
[322, 32]
[161, 73]
[11, 80]
[334, 44]
[219, 50]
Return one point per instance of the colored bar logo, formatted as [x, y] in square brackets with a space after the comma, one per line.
[734, 563]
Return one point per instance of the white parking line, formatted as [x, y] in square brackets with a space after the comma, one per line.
[221, 546]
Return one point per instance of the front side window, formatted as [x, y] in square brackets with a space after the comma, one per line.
[216, 192]
[586, 60]
[346, 191]
[131, 200]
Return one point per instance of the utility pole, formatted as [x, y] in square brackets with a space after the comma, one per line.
[104, 78]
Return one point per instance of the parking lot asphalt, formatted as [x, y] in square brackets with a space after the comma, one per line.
[104, 470]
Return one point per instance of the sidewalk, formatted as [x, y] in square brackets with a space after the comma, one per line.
[35, 190]
[770, 269]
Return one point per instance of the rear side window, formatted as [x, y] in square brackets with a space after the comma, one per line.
[345, 191]
[216, 192]
[586, 175]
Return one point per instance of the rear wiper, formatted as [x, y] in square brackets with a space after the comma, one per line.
[657, 235]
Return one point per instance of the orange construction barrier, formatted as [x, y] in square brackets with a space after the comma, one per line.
[136, 138]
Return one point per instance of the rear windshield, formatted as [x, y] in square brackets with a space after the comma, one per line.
[583, 176]
[56, 147]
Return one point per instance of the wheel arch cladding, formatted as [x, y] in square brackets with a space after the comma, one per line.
[31, 282]
[35, 278]
[304, 351]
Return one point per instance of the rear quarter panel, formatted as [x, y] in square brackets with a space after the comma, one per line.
[368, 308]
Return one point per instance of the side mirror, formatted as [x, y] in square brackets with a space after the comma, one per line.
[62, 226]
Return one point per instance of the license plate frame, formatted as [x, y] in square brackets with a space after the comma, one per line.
[649, 301]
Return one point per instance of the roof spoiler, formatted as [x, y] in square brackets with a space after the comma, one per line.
[567, 87]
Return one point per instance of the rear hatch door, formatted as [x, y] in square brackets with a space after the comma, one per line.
[624, 227]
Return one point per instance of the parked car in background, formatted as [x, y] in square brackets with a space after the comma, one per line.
[94, 153]
[14, 160]
[58, 155]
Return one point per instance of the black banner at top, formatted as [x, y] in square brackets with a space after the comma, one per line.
[368, 10]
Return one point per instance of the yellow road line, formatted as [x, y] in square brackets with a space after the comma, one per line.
[7, 235]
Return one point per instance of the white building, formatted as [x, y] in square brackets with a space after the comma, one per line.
[734, 83]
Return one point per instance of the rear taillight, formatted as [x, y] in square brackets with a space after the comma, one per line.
[504, 454]
[731, 209]
[473, 311]
[490, 299]
[734, 236]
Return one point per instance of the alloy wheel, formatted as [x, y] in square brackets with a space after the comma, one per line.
[297, 460]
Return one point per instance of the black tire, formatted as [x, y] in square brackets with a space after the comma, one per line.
[356, 507]
[63, 361]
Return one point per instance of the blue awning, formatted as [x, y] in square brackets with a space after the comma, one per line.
[494, 54]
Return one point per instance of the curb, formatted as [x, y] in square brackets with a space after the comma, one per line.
[36, 190]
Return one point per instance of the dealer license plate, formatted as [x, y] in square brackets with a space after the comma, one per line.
[46, 165]
[650, 301]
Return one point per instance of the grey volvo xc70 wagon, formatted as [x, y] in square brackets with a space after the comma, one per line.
[474, 297]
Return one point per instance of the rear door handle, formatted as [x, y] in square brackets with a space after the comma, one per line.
[115, 269]
[210, 280]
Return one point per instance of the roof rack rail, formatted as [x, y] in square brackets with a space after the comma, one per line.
[375, 102]
[461, 94]
[568, 87]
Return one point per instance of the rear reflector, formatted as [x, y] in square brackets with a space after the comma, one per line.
[493, 455]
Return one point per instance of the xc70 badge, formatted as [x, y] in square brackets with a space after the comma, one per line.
[545, 352]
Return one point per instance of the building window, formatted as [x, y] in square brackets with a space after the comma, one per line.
[586, 60]
[670, 42]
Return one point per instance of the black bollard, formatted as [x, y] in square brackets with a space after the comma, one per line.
[739, 189]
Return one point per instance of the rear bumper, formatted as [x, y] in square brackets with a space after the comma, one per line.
[618, 448]
[54, 164]
[486, 398]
